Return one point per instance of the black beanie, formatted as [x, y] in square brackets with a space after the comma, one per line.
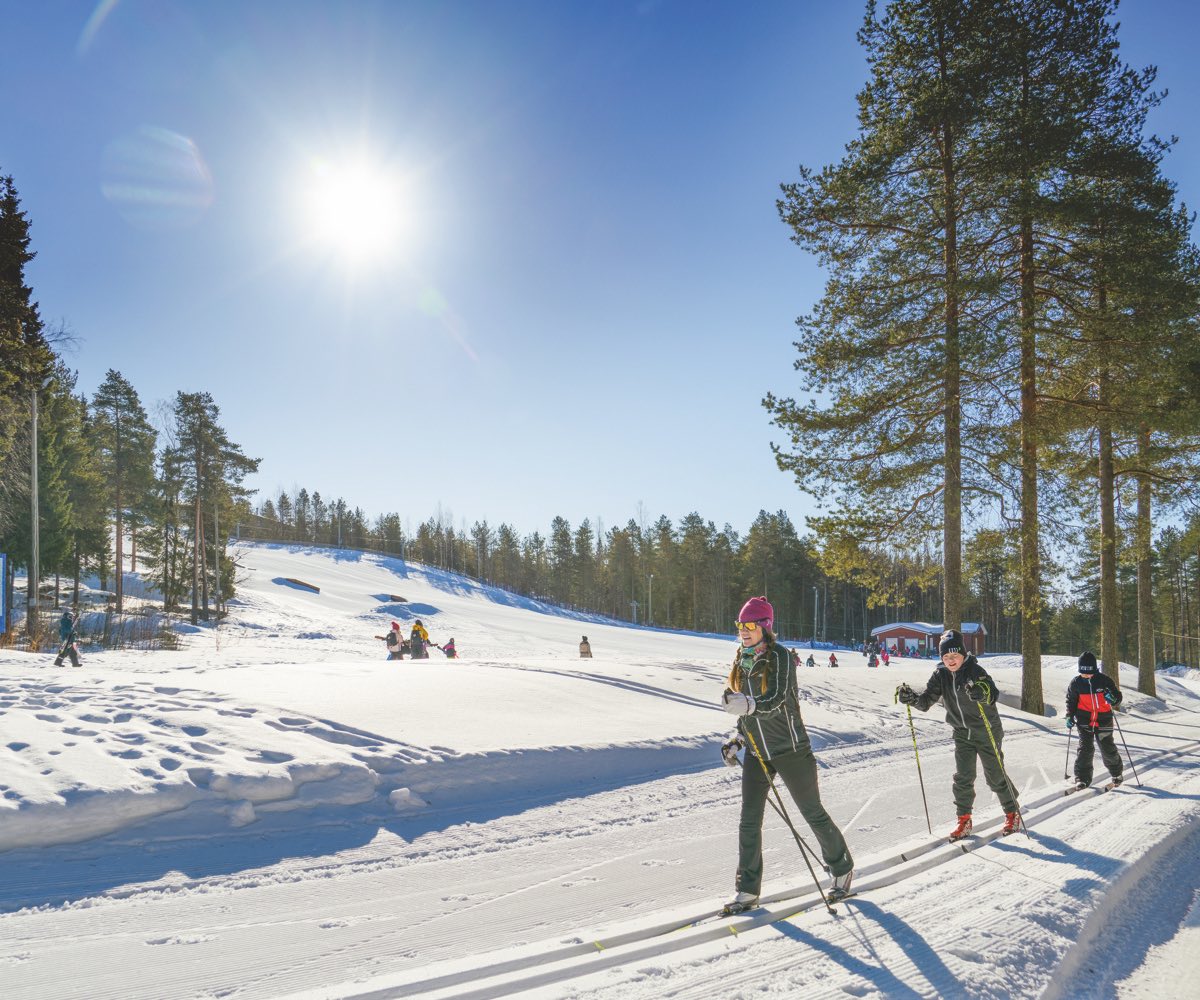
[952, 642]
[1087, 663]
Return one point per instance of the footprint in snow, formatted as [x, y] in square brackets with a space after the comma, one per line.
[168, 764]
[18, 746]
[272, 757]
[195, 730]
[46, 717]
[126, 754]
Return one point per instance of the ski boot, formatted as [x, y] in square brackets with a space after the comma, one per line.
[1012, 823]
[840, 888]
[740, 903]
[963, 829]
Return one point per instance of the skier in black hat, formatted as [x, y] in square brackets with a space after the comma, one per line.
[1091, 697]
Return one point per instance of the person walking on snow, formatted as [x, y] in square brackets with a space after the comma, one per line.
[966, 691]
[67, 638]
[418, 638]
[1091, 698]
[449, 650]
[761, 692]
[833, 659]
[811, 661]
[585, 649]
[395, 642]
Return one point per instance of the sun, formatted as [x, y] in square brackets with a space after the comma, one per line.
[353, 210]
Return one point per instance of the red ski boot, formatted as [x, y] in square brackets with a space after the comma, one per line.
[1012, 823]
[963, 829]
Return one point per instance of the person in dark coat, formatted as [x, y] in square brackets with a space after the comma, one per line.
[585, 649]
[969, 695]
[1091, 698]
[449, 650]
[67, 638]
[761, 692]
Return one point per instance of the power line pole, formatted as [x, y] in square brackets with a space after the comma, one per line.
[36, 557]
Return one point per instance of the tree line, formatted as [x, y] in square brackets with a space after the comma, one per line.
[1008, 332]
[692, 575]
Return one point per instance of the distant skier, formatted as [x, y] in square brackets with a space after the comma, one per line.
[395, 642]
[1091, 698]
[418, 640]
[886, 657]
[68, 640]
[761, 691]
[833, 660]
[966, 691]
[447, 647]
[872, 660]
[585, 649]
[810, 662]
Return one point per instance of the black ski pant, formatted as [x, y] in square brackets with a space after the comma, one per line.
[970, 747]
[799, 773]
[68, 649]
[1088, 737]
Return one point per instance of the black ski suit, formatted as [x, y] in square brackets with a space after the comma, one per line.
[971, 743]
[1089, 696]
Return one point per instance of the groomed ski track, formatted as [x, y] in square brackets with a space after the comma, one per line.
[614, 948]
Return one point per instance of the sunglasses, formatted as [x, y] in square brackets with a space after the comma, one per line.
[748, 626]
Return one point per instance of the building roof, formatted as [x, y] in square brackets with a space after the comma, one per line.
[968, 628]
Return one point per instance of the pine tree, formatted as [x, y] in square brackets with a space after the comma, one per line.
[125, 442]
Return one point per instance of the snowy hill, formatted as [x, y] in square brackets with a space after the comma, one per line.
[277, 810]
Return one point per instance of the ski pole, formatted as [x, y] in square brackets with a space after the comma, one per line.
[916, 753]
[996, 750]
[1067, 762]
[805, 850]
[1126, 746]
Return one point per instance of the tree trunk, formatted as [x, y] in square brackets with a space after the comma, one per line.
[1109, 605]
[1145, 597]
[952, 498]
[1031, 589]
[196, 557]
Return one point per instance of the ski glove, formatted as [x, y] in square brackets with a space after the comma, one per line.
[737, 703]
[729, 751]
[978, 691]
[1070, 720]
[906, 695]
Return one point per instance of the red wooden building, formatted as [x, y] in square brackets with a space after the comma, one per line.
[921, 638]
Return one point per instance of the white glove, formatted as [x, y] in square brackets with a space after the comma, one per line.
[737, 703]
[729, 752]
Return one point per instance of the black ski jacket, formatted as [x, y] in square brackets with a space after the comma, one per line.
[961, 711]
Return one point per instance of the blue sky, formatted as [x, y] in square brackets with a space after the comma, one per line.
[588, 291]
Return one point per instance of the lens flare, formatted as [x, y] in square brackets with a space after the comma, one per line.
[156, 179]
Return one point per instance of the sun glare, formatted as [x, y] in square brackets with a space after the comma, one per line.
[354, 211]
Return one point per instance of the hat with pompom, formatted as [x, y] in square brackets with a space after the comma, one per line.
[758, 609]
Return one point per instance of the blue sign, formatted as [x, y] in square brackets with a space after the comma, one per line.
[3, 591]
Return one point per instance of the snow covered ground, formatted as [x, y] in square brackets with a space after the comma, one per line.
[276, 810]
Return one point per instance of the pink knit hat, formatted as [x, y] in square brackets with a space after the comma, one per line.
[758, 609]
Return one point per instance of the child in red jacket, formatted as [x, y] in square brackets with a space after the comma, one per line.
[1091, 697]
